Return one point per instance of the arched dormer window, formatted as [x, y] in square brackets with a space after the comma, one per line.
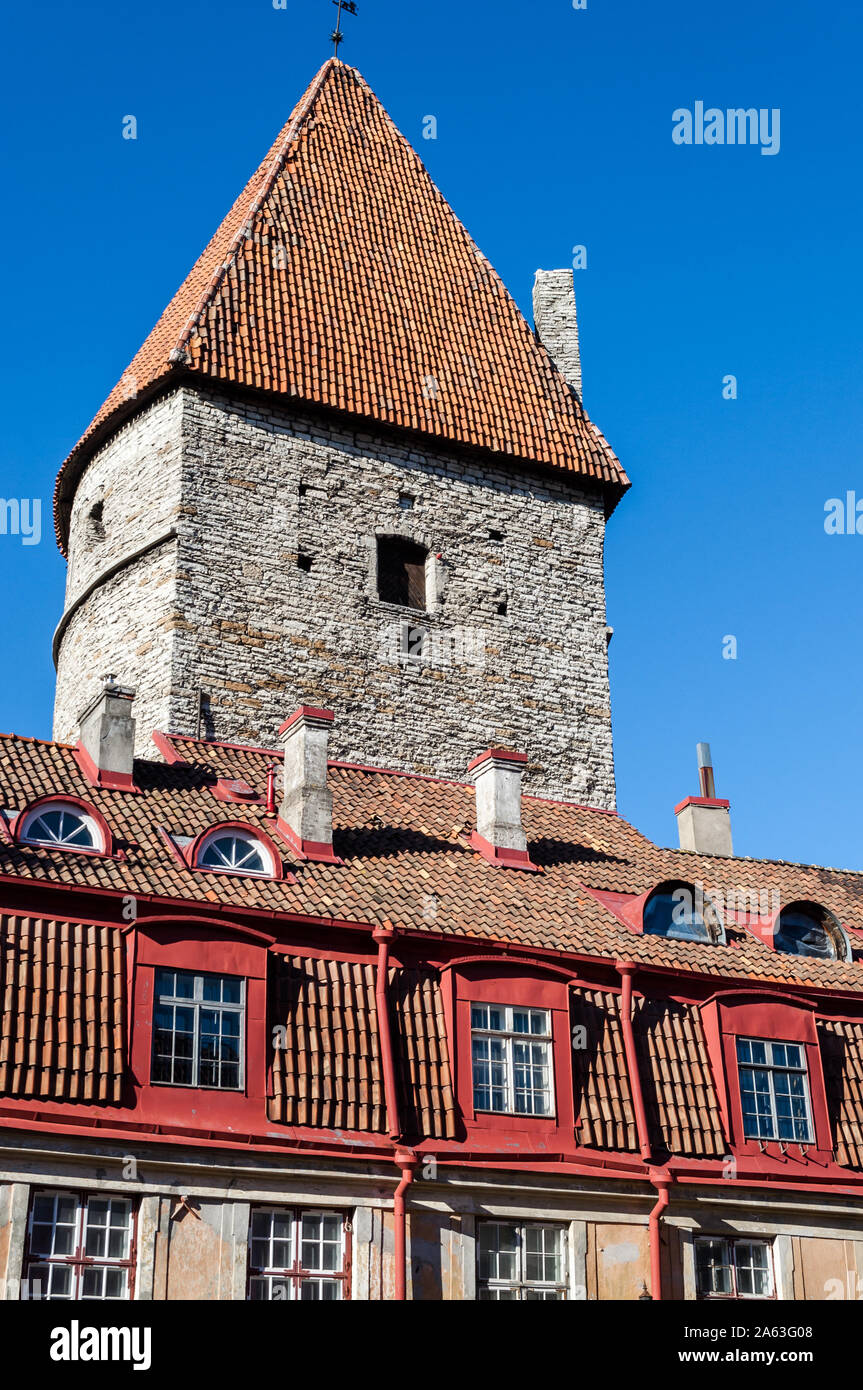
[683, 913]
[235, 849]
[807, 929]
[59, 824]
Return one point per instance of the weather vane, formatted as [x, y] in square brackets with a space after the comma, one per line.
[350, 8]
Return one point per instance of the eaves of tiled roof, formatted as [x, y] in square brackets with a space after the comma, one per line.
[342, 278]
[404, 843]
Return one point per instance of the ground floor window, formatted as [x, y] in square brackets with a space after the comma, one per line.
[521, 1261]
[79, 1246]
[297, 1254]
[733, 1268]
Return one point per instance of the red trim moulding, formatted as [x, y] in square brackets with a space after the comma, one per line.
[109, 781]
[317, 851]
[702, 801]
[503, 858]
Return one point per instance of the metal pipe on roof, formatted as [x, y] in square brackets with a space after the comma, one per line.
[705, 772]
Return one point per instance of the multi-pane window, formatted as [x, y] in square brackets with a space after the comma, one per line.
[297, 1255]
[733, 1268]
[61, 826]
[234, 852]
[774, 1091]
[521, 1262]
[198, 1030]
[511, 1049]
[79, 1247]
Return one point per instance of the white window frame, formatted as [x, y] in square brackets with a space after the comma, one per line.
[730, 1246]
[243, 837]
[490, 1288]
[197, 1003]
[773, 1069]
[26, 837]
[78, 1261]
[508, 1036]
[284, 1283]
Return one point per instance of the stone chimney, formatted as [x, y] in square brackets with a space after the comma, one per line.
[704, 822]
[499, 834]
[106, 738]
[305, 815]
[556, 324]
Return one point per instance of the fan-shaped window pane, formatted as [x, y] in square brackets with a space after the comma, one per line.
[63, 826]
[800, 933]
[239, 854]
[674, 912]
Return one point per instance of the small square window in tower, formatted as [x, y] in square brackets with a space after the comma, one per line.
[402, 571]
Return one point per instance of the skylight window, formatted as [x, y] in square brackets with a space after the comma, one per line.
[681, 912]
[61, 825]
[805, 929]
[235, 852]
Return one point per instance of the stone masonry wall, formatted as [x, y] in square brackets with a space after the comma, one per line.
[516, 628]
[268, 597]
[127, 500]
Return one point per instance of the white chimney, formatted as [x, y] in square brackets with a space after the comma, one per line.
[556, 324]
[499, 834]
[106, 738]
[306, 814]
[704, 822]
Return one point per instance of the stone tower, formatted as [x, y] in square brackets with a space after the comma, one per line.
[343, 471]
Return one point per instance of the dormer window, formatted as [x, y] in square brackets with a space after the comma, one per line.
[511, 1049]
[61, 825]
[681, 912]
[198, 1027]
[402, 572]
[805, 929]
[774, 1091]
[234, 851]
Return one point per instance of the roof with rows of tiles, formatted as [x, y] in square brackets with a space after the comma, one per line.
[341, 277]
[404, 840]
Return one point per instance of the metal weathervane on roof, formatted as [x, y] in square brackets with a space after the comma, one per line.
[350, 8]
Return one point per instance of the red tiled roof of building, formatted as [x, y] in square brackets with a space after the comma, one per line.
[329, 1074]
[62, 1009]
[342, 278]
[680, 1096]
[404, 843]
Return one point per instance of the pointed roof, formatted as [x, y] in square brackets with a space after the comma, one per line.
[342, 278]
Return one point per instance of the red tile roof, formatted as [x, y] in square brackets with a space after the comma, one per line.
[342, 278]
[62, 1007]
[404, 842]
[842, 1056]
[680, 1097]
[329, 1074]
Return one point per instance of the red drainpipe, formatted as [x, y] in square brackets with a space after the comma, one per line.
[662, 1185]
[384, 935]
[271, 789]
[626, 970]
[407, 1161]
[404, 1158]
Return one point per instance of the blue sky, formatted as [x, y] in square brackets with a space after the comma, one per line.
[554, 130]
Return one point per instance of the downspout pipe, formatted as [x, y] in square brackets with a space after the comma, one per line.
[404, 1158]
[626, 971]
[662, 1185]
[384, 936]
[407, 1162]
